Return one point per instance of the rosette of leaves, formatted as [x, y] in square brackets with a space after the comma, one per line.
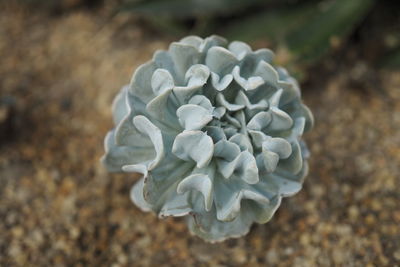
[215, 129]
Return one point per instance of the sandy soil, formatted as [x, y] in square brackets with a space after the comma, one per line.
[59, 207]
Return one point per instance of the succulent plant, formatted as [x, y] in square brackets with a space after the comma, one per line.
[215, 130]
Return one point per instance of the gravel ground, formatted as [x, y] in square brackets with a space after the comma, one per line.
[59, 207]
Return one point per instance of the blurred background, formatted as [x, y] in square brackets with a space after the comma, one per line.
[62, 62]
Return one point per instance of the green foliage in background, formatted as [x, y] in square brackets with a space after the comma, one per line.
[308, 28]
[303, 32]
